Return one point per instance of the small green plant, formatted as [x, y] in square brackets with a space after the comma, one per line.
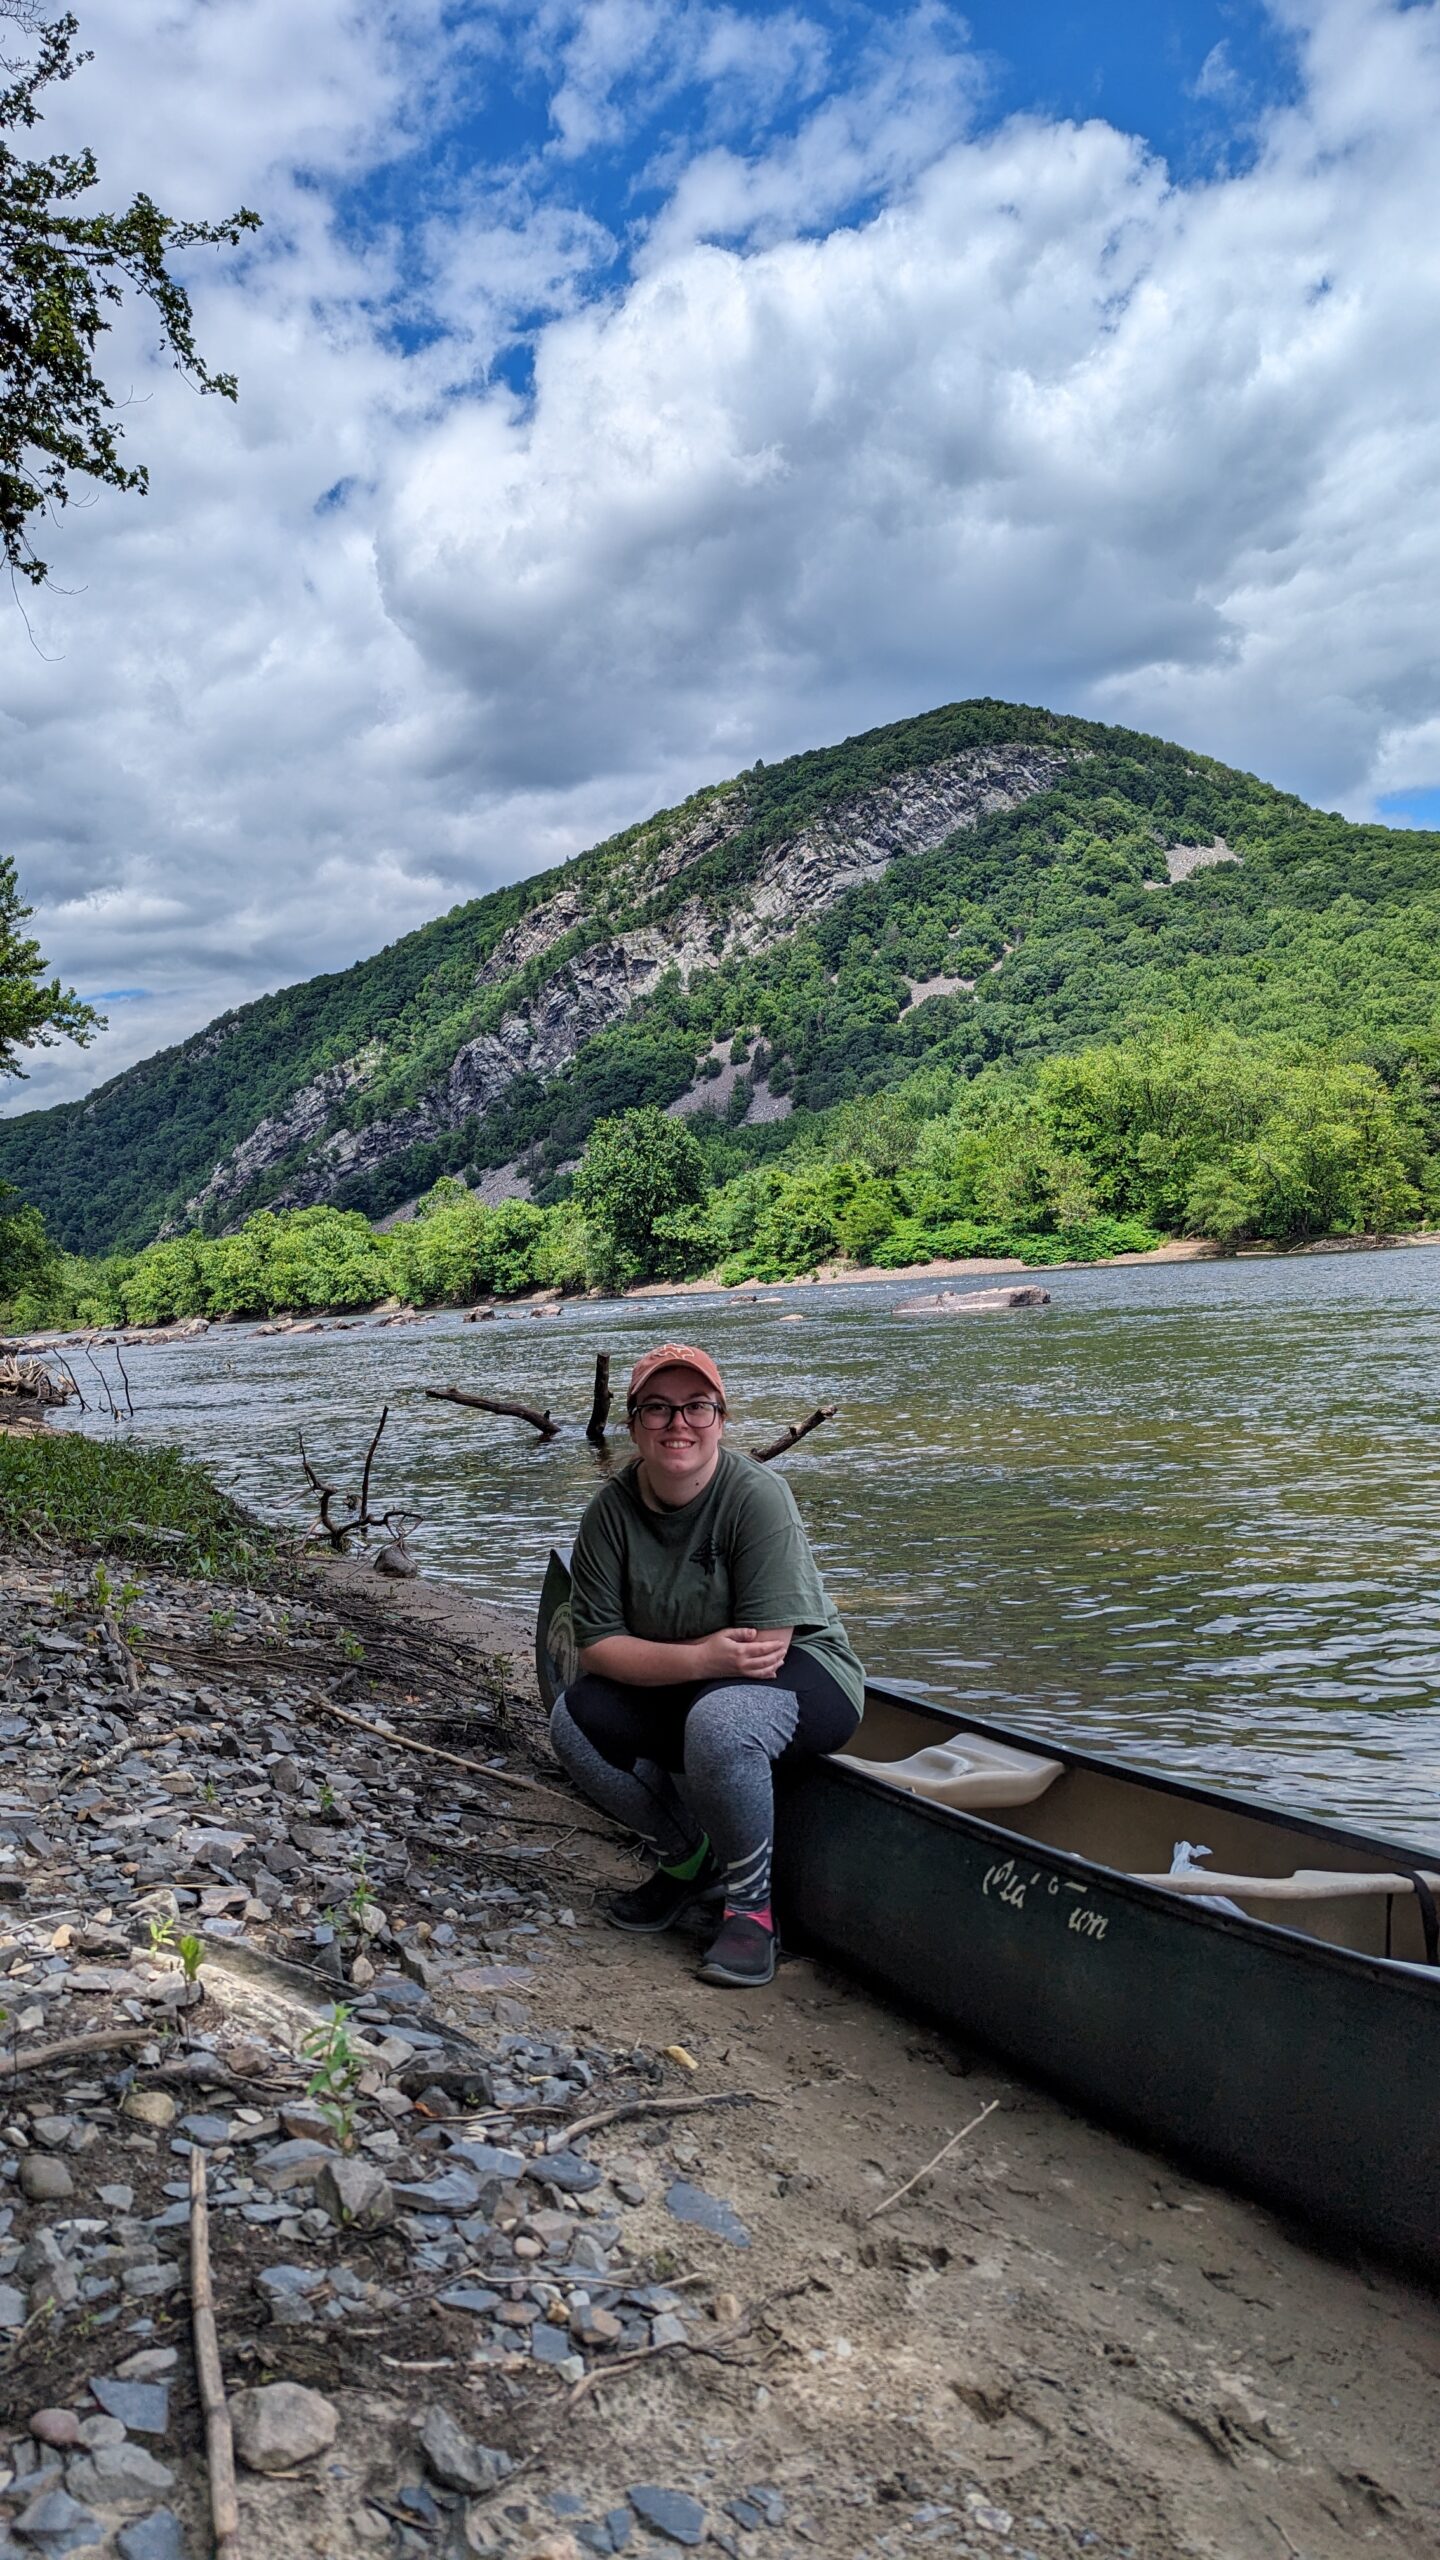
[502, 1674]
[222, 1621]
[335, 2075]
[327, 1796]
[160, 1930]
[210, 1792]
[350, 1646]
[362, 1891]
[191, 1953]
[117, 1598]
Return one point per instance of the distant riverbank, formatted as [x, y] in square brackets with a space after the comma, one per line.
[979, 1266]
[827, 1275]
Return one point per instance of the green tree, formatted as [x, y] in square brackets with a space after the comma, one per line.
[61, 271]
[28, 1261]
[34, 1014]
[635, 1169]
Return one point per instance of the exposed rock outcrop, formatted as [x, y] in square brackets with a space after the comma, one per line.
[792, 882]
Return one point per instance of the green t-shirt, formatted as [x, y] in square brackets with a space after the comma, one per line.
[737, 1556]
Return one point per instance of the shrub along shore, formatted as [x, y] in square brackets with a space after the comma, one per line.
[1192, 1132]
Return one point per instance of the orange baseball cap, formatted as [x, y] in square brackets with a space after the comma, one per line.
[674, 1355]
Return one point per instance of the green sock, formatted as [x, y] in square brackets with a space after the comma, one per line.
[686, 1869]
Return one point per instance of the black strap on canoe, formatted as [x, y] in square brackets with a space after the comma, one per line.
[1429, 1917]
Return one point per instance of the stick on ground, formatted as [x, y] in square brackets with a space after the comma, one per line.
[477, 1768]
[565, 2134]
[104, 2040]
[942, 2154]
[219, 2442]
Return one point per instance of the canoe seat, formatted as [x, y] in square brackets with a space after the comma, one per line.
[969, 1771]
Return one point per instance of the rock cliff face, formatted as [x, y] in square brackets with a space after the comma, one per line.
[594, 987]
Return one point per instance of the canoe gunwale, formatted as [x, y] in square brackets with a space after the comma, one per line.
[1138, 1773]
[1386, 1971]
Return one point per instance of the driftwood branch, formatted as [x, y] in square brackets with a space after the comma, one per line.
[369, 1463]
[219, 2441]
[797, 1431]
[30, 1378]
[540, 1422]
[600, 1409]
[103, 2040]
[476, 1768]
[565, 2134]
[942, 2154]
[357, 1506]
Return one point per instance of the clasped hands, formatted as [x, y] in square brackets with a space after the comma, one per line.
[743, 1653]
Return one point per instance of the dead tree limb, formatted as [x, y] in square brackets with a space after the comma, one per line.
[30, 1378]
[357, 1505]
[797, 1431]
[104, 2040]
[209, 2373]
[337, 1533]
[502, 1778]
[369, 1462]
[600, 1409]
[540, 1422]
[565, 2134]
[111, 1405]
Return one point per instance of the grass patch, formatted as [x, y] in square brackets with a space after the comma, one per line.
[113, 1497]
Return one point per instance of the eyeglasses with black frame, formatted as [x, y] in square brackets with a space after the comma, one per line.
[657, 1413]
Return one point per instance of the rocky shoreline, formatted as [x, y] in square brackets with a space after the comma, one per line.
[523, 2242]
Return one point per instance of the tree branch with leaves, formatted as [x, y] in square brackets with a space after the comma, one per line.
[62, 270]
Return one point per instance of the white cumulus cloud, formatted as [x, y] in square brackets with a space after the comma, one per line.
[878, 406]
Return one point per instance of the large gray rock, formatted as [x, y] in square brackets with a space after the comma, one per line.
[457, 2460]
[44, 2180]
[56, 2523]
[157, 2536]
[281, 2423]
[355, 2191]
[975, 1302]
[119, 2475]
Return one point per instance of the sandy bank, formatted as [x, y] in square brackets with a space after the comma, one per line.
[1055, 2342]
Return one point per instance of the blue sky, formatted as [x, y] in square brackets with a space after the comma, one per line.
[1192, 78]
[632, 388]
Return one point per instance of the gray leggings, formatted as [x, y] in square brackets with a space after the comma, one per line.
[624, 1745]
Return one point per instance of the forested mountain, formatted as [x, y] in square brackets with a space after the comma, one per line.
[979, 887]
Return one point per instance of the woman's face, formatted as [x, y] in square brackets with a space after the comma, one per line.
[680, 1457]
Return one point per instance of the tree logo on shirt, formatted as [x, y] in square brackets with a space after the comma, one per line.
[705, 1556]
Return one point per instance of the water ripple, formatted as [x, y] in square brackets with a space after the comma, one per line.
[1190, 1514]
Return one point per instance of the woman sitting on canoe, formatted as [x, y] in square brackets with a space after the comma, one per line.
[708, 1648]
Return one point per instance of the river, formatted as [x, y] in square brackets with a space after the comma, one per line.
[1189, 1513]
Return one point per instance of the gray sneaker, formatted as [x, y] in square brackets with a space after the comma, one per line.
[743, 1955]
